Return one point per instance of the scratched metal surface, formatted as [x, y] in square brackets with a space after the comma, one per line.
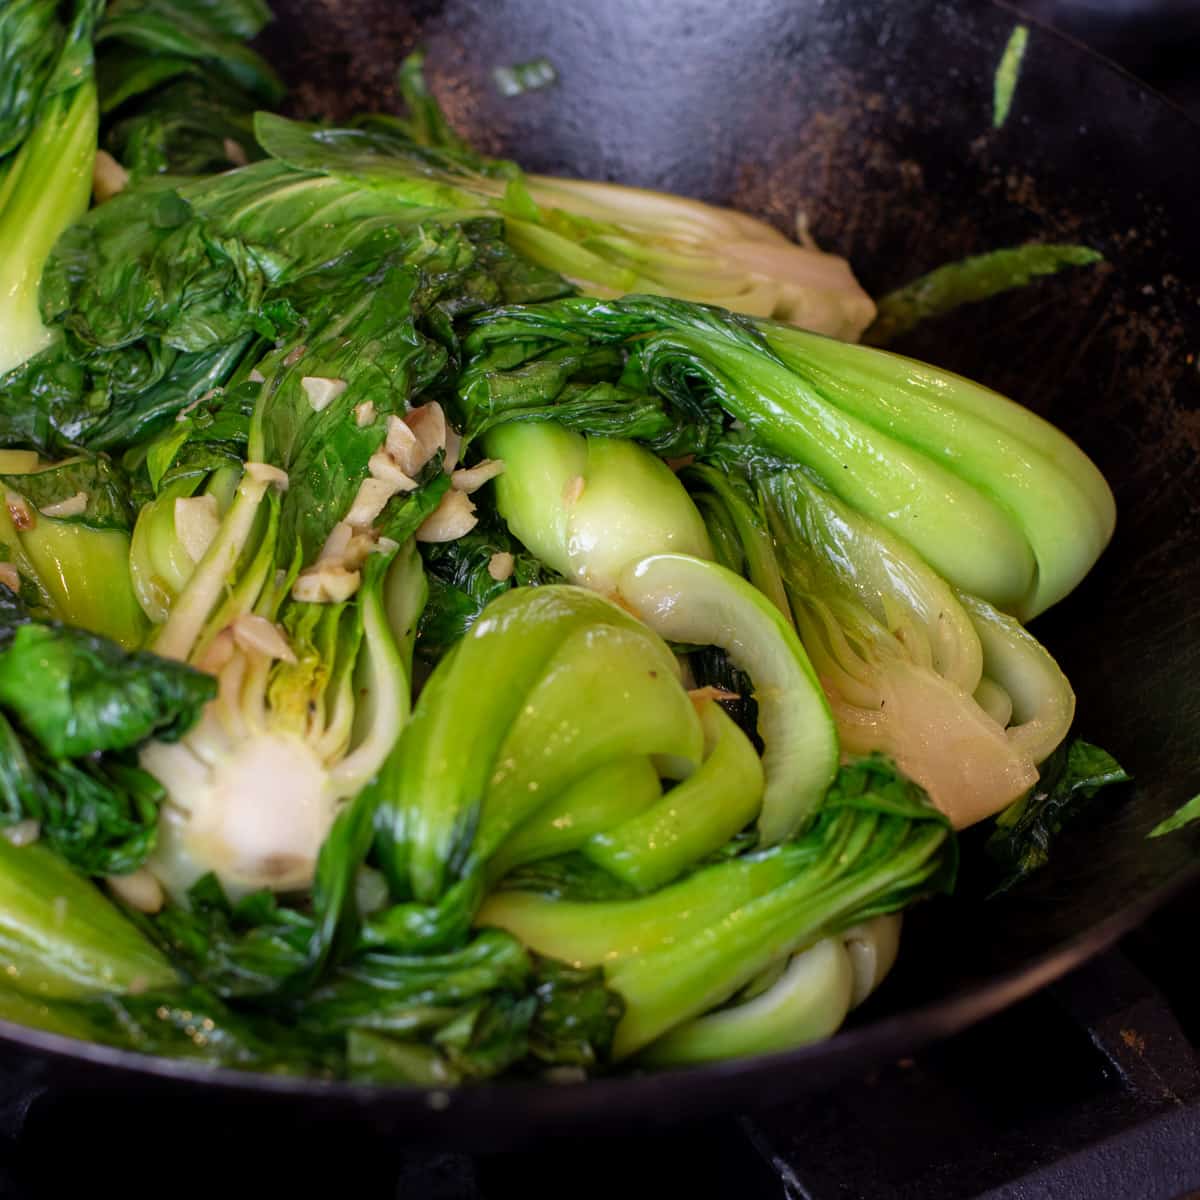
[875, 121]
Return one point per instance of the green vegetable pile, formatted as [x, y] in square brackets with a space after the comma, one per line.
[457, 622]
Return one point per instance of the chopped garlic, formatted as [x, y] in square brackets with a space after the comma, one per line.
[428, 422]
[453, 517]
[108, 177]
[10, 577]
[364, 413]
[256, 376]
[573, 489]
[253, 632]
[373, 494]
[235, 152]
[197, 521]
[383, 466]
[500, 566]
[20, 512]
[139, 889]
[294, 355]
[326, 583]
[322, 392]
[266, 473]
[23, 833]
[336, 543]
[471, 479]
[404, 448]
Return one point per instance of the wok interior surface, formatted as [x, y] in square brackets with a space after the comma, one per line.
[875, 122]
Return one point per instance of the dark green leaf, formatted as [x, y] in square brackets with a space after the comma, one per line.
[103, 484]
[1025, 831]
[77, 694]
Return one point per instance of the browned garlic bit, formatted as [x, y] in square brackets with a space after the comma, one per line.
[20, 512]
[252, 632]
[9, 577]
[500, 566]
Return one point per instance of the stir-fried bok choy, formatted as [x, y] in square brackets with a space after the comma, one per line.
[457, 622]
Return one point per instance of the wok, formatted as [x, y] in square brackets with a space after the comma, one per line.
[875, 120]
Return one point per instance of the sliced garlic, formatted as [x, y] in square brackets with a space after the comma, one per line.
[404, 447]
[196, 524]
[364, 413]
[336, 543]
[428, 422]
[72, 506]
[326, 583]
[253, 632]
[383, 466]
[20, 512]
[471, 479]
[10, 577]
[322, 392]
[373, 494]
[453, 517]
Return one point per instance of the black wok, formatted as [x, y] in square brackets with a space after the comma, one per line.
[876, 120]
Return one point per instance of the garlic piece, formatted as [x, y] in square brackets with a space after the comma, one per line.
[383, 466]
[364, 413]
[453, 449]
[428, 422]
[253, 632]
[453, 517]
[373, 494]
[322, 392]
[108, 177]
[326, 583]
[10, 577]
[500, 566]
[196, 524]
[471, 479]
[235, 152]
[139, 889]
[404, 448]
